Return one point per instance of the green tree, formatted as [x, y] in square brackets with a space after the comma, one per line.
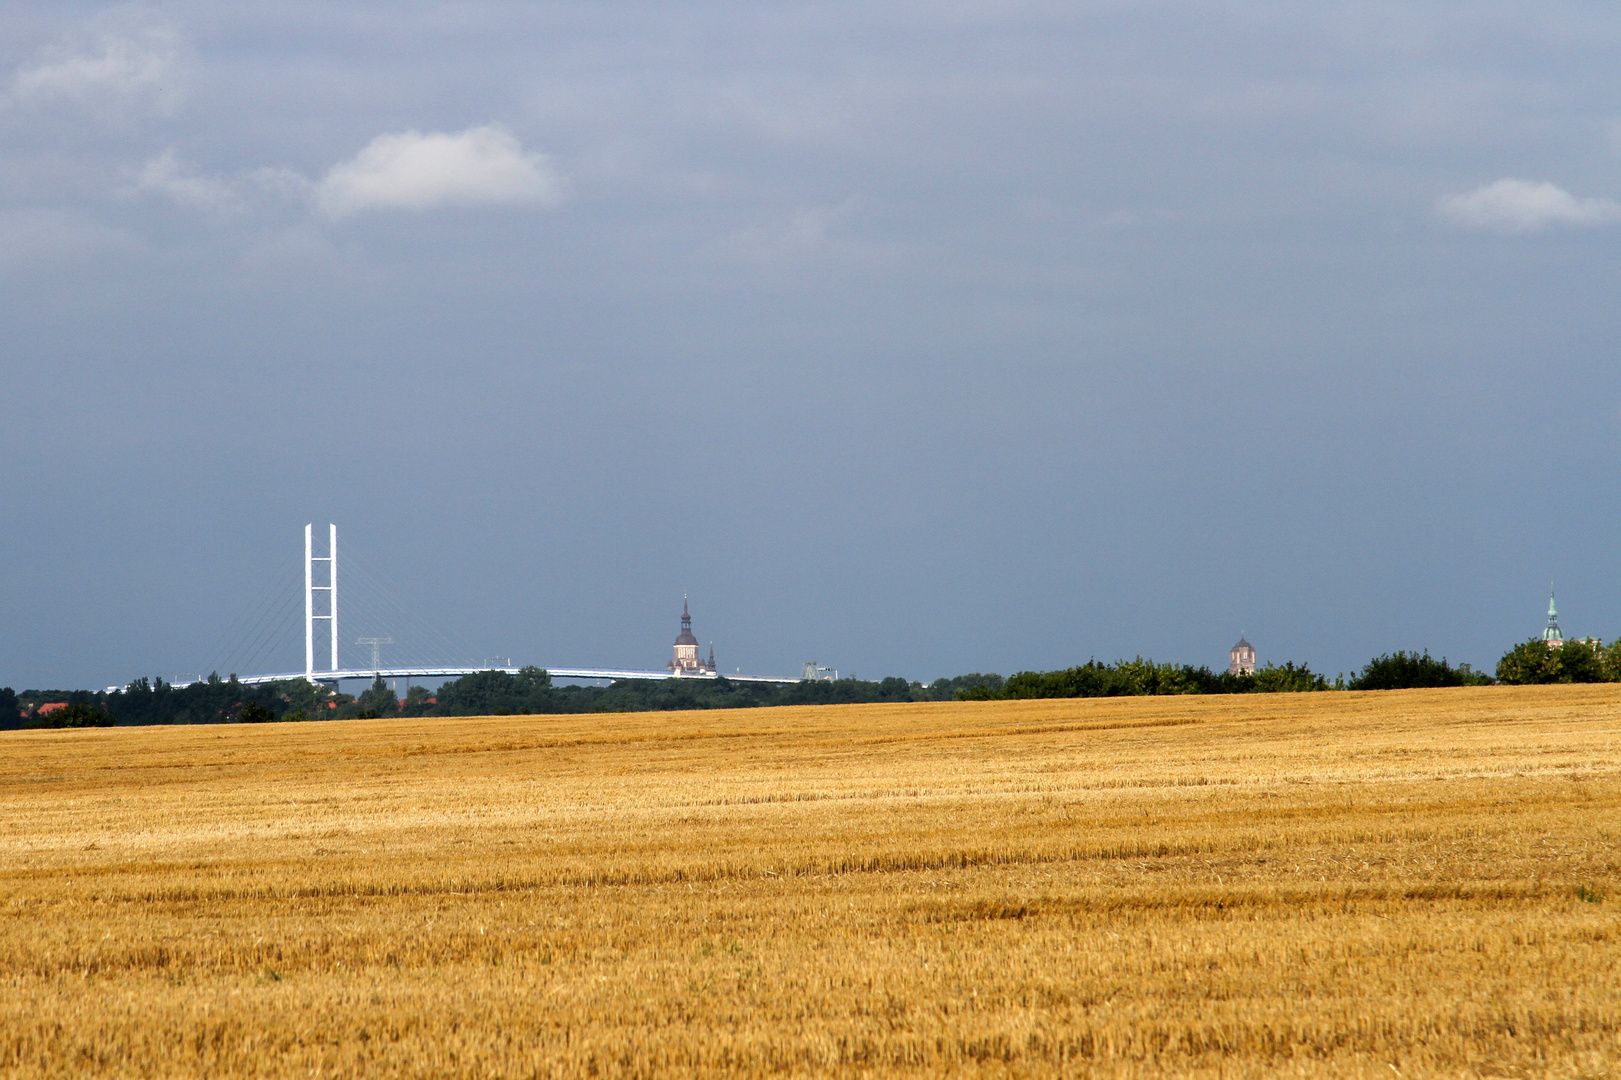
[1530, 662]
[10, 711]
[380, 700]
[255, 713]
[895, 688]
[1403, 670]
[1286, 678]
[1610, 661]
[531, 680]
[304, 696]
[1580, 661]
[975, 687]
[480, 694]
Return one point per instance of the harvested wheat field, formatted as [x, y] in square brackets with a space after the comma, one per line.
[1416, 883]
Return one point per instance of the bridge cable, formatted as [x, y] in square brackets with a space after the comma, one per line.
[256, 619]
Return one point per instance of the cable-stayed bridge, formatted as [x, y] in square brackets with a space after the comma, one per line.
[320, 596]
[612, 674]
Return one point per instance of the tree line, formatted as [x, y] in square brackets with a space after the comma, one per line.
[531, 691]
[1129, 678]
[1532, 661]
[153, 701]
[484, 693]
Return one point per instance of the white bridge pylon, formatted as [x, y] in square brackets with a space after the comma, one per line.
[331, 590]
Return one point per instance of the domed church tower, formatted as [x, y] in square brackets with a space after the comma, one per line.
[686, 661]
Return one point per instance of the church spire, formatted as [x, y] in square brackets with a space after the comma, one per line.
[1551, 633]
[686, 657]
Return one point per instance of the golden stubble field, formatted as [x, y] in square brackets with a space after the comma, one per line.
[1421, 883]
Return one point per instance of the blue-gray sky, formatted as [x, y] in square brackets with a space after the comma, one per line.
[912, 338]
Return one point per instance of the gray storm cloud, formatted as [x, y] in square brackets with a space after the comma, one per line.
[915, 339]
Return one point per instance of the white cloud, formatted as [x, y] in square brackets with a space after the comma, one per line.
[124, 67]
[165, 175]
[1517, 206]
[223, 196]
[413, 171]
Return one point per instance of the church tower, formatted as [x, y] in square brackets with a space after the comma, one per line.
[1551, 635]
[686, 660]
[1241, 660]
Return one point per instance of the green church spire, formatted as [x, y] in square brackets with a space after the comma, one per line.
[1551, 632]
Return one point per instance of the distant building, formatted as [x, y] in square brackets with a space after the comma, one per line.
[1241, 661]
[1551, 635]
[686, 661]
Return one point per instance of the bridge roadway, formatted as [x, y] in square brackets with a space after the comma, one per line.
[458, 672]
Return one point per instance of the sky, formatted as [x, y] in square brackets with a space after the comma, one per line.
[910, 338]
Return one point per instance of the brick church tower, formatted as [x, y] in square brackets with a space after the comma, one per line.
[1241, 661]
